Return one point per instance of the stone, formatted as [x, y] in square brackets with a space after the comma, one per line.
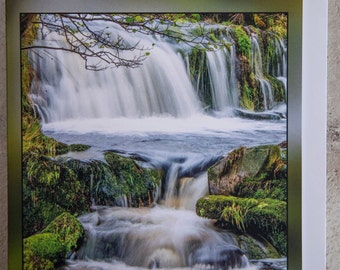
[243, 163]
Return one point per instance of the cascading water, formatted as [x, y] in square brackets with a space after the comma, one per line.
[221, 65]
[279, 71]
[153, 111]
[256, 64]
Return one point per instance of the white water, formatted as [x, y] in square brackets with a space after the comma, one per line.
[153, 112]
[68, 91]
[221, 65]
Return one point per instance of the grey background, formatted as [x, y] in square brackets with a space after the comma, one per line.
[333, 137]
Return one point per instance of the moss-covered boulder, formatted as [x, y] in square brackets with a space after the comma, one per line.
[264, 217]
[69, 230]
[43, 251]
[48, 249]
[243, 163]
[52, 186]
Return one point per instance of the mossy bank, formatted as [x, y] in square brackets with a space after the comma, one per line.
[248, 195]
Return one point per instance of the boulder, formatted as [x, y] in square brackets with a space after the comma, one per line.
[50, 248]
[243, 163]
[69, 230]
[43, 251]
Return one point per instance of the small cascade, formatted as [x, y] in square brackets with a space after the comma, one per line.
[222, 74]
[281, 53]
[168, 235]
[276, 67]
[256, 62]
[157, 238]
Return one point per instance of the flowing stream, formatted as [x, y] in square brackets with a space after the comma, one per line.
[154, 113]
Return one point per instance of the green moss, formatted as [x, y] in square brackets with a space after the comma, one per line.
[50, 187]
[55, 185]
[247, 100]
[266, 217]
[78, 147]
[43, 251]
[250, 247]
[136, 182]
[243, 41]
[261, 188]
[69, 230]
[278, 89]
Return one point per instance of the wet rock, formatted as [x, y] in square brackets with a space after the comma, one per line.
[243, 163]
[219, 257]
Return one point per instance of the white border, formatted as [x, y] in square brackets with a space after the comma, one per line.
[314, 126]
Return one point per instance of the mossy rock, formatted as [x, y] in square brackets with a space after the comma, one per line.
[78, 147]
[261, 188]
[243, 163]
[43, 251]
[130, 179]
[264, 217]
[52, 186]
[243, 41]
[69, 230]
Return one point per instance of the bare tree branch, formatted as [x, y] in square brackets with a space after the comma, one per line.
[108, 49]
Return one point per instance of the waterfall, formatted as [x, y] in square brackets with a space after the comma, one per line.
[69, 91]
[277, 69]
[281, 73]
[221, 66]
[256, 65]
[162, 86]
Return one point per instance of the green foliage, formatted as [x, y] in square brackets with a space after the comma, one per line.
[43, 251]
[133, 18]
[236, 214]
[196, 17]
[243, 41]
[174, 31]
[278, 25]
